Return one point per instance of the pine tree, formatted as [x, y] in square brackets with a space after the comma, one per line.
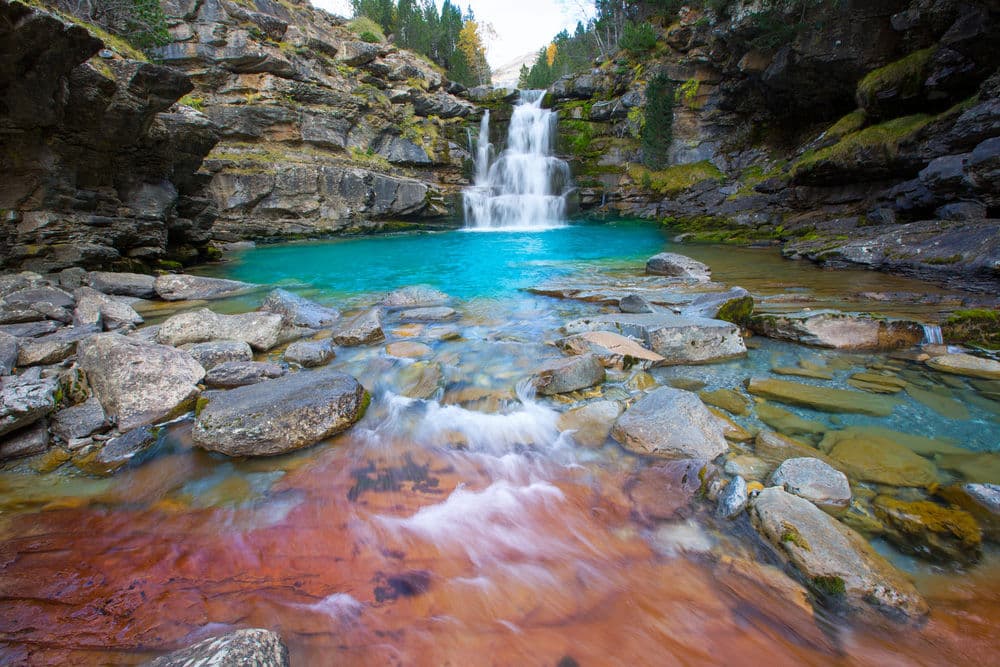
[657, 130]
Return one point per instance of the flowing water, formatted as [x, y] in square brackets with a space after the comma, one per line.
[457, 522]
[525, 187]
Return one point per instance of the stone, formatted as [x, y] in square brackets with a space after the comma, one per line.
[299, 311]
[824, 399]
[414, 296]
[95, 308]
[216, 352]
[8, 353]
[30, 329]
[79, 421]
[665, 489]
[261, 648]
[733, 499]
[590, 424]
[734, 305]
[232, 374]
[428, 314]
[670, 423]
[881, 460]
[732, 431]
[53, 348]
[24, 400]
[843, 331]
[877, 383]
[291, 412]
[633, 303]
[982, 501]
[967, 365]
[813, 480]
[748, 467]
[421, 379]
[678, 266]
[798, 371]
[362, 329]
[773, 448]
[137, 382]
[613, 350]
[310, 353]
[569, 374]
[727, 399]
[834, 559]
[407, 349]
[679, 340]
[122, 284]
[28, 441]
[788, 423]
[929, 530]
[261, 331]
[119, 451]
[184, 287]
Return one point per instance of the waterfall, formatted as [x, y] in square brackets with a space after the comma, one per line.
[932, 335]
[525, 186]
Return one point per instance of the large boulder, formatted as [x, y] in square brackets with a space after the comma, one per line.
[310, 353]
[677, 266]
[183, 287]
[138, 382]
[261, 648]
[835, 560]
[299, 311]
[679, 340]
[833, 329]
[24, 400]
[261, 331]
[98, 309]
[569, 374]
[814, 480]
[670, 423]
[122, 284]
[282, 415]
[362, 329]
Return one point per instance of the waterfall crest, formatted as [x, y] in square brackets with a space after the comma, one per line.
[525, 186]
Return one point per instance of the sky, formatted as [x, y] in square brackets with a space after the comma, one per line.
[522, 26]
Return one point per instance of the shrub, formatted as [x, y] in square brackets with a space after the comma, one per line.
[637, 37]
[369, 37]
[363, 25]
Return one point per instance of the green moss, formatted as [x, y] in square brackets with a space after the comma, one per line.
[575, 137]
[370, 159]
[830, 586]
[687, 93]
[755, 175]
[737, 311]
[978, 326]
[906, 76]
[791, 534]
[849, 124]
[950, 259]
[675, 179]
[362, 25]
[200, 405]
[196, 103]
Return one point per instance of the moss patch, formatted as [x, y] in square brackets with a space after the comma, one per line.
[791, 534]
[977, 327]
[737, 311]
[902, 79]
[829, 586]
[676, 179]
[849, 124]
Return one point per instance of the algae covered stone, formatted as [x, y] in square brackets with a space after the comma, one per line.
[880, 460]
[930, 530]
[825, 399]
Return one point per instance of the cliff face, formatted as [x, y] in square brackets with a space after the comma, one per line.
[97, 169]
[868, 135]
[321, 132]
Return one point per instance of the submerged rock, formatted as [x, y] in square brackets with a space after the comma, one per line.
[261, 648]
[231, 374]
[428, 314]
[966, 364]
[414, 296]
[407, 349]
[139, 383]
[591, 423]
[362, 329]
[834, 329]
[981, 501]
[665, 489]
[670, 423]
[788, 423]
[289, 413]
[299, 311]
[678, 266]
[569, 374]
[727, 399]
[869, 458]
[929, 530]
[814, 480]
[119, 451]
[184, 287]
[825, 399]
[261, 331]
[835, 560]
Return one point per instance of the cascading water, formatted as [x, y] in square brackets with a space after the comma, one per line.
[525, 187]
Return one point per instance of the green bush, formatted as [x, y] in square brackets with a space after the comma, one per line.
[363, 25]
[637, 37]
[369, 37]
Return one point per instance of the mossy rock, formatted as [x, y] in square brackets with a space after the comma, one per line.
[737, 311]
[674, 179]
[896, 88]
[979, 327]
[932, 531]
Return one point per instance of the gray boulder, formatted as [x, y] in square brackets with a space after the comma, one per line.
[94, 308]
[232, 374]
[414, 296]
[569, 374]
[299, 311]
[24, 400]
[289, 413]
[671, 423]
[183, 287]
[633, 303]
[120, 451]
[28, 441]
[834, 329]
[137, 382]
[834, 559]
[8, 353]
[53, 348]
[79, 421]
[362, 329]
[310, 353]
[733, 499]
[217, 352]
[261, 331]
[813, 480]
[122, 284]
[677, 266]
[734, 305]
[261, 648]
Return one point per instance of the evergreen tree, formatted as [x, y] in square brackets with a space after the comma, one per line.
[657, 129]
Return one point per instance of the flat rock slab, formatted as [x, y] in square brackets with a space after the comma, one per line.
[282, 415]
[28, 441]
[429, 314]
[671, 423]
[814, 480]
[79, 421]
[415, 296]
[137, 382]
[25, 400]
[407, 349]
[122, 284]
[261, 648]
[565, 375]
[677, 266]
[232, 374]
[261, 331]
[362, 329]
[679, 340]
[825, 399]
[870, 458]
[299, 311]
[837, 330]
[833, 558]
[53, 348]
[614, 350]
[966, 364]
[183, 287]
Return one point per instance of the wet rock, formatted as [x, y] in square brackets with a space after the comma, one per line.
[119, 451]
[407, 350]
[420, 380]
[678, 266]
[833, 329]
[679, 340]
[732, 431]
[633, 303]
[665, 489]
[835, 560]
[788, 423]
[362, 329]
[28, 441]
[299, 311]
[813, 480]
[727, 399]
[748, 467]
[282, 415]
[733, 499]
[216, 352]
[184, 287]
[24, 400]
[929, 530]
[877, 383]
[798, 371]
[429, 314]
[261, 331]
[824, 399]
[261, 648]
[8, 353]
[310, 353]
[734, 305]
[569, 374]
[591, 424]
[122, 284]
[981, 501]
[79, 421]
[775, 448]
[671, 423]
[882, 460]
[139, 383]
[415, 296]
[966, 364]
[613, 350]
[232, 374]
